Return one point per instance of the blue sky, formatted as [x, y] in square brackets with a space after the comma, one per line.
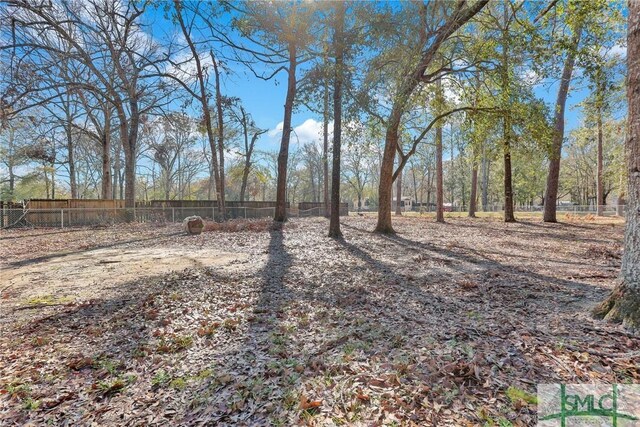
[264, 100]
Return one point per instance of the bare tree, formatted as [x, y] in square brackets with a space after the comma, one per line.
[109, 44]
[248, 126]
[201, 94]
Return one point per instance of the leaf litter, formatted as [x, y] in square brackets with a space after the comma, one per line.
[441, 324]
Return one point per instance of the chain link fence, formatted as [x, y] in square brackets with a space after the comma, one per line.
[75, 217]
[562, 209]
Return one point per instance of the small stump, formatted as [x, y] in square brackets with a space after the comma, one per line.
[193, 225]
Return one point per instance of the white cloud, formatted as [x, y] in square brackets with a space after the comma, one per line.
[617, 51]
[529, 76]
[277, 130]
[185, 67]
[309, 131]
[452, 92]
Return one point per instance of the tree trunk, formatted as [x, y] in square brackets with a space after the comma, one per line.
[430, 176]
[338, 40]
[553, 178]
[325, 149]
[600, 183]
[620, 205]
[73, 183]
[473, 197]
[451, 172]
[508, 181]
[473, 192]
[386, 177]
[71, 159]
[506, 121]
[247, 158]
[11, 164]
[53, 179]
[623, 305]
[129, 159]
[283, 155]
[130, 145]
[107, 190]
[439, 171]
[220, 180]
[399, 194]
[485, 181]
[116, 170]
[46, 178]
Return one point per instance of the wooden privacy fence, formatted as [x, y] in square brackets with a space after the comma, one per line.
[78, 212]
[53, 213]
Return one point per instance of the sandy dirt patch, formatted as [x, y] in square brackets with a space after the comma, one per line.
[62, 278]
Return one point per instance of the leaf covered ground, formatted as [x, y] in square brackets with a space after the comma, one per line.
[441, 324]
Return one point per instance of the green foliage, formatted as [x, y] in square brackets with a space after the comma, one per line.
[516, 394]
[160, 378]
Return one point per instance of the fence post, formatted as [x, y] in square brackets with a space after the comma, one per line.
[245, 212]
[61, 218]
[173, 214]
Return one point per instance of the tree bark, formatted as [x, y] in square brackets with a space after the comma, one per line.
[553, 178]
[473, 197]
[70, 153]
[485, 179]
[220, 118]
[247, 158]
[599, 177]
[130, 147]
[399, 194]
[473, 192]
[117, 170]
[107, 189]
[338, 40]
[623, 305]
[325, 149]
[283, 155]
[11, 164]
[451, 171]
[506, 123]
[439, 172]
[508, 180]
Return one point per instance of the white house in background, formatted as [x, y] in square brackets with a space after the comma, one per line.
[406, 203]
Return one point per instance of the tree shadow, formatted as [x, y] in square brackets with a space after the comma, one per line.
[297, 323]
[45, 233]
